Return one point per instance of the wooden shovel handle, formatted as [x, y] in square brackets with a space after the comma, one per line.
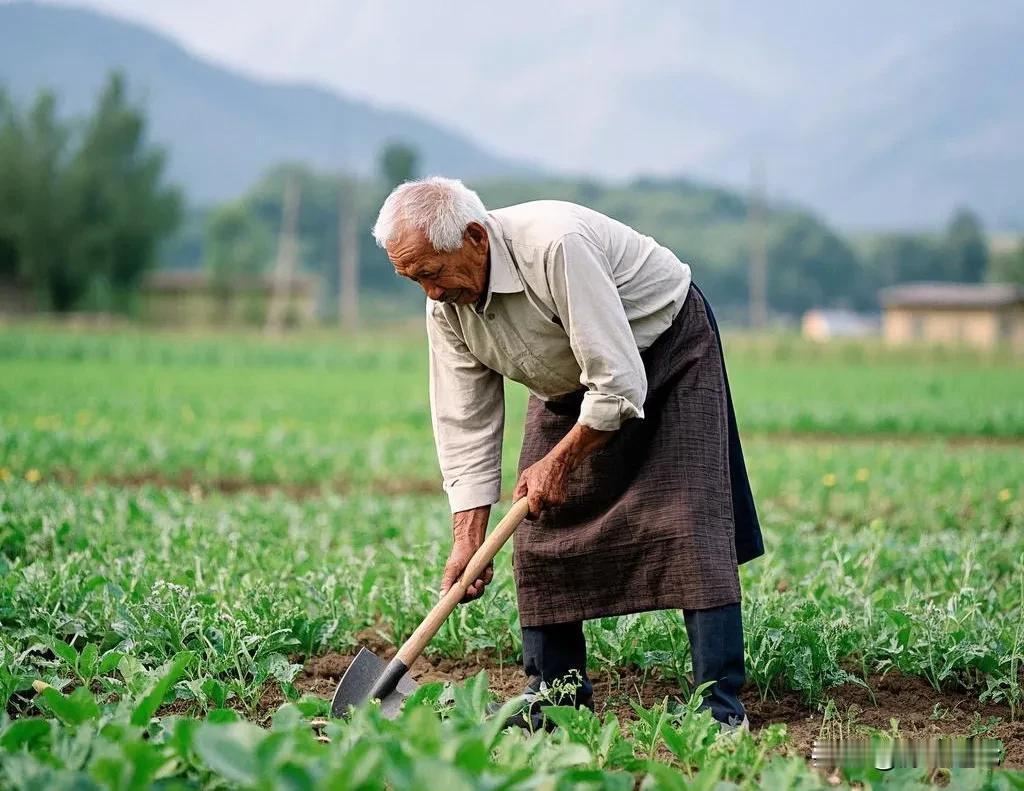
[414, 646]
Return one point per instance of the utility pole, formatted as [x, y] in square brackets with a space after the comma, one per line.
[348, 256]
[287, 257]
[758, 275]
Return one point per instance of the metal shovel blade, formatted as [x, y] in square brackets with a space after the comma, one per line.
[356, 686]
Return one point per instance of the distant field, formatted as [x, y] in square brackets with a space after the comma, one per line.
[235, 516]
[354, 410]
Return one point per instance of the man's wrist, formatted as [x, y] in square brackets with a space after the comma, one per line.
[579, 443]
[471, 525]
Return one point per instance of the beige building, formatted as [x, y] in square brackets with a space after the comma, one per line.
[188, 298]
[982, 315]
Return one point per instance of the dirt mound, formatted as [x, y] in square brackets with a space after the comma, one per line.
[920, 709]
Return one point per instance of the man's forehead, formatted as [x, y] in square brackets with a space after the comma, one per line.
[409, 248]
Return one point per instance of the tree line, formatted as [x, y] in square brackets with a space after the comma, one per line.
[809, 265]
[85, 212]
[83, 202]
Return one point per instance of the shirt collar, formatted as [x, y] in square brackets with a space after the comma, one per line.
[503, 277]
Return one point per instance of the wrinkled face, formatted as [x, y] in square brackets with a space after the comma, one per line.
[457, 277]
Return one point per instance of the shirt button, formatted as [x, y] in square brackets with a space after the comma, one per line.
[490, 315]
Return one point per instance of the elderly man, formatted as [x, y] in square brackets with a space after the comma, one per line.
[631, 462]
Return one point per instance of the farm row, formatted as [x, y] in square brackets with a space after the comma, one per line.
[195, 536]
[884, 557]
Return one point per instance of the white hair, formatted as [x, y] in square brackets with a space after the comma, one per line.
[441, 208]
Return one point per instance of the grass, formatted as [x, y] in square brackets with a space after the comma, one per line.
[133, 578]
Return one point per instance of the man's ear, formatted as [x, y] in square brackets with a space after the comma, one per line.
[475, 236]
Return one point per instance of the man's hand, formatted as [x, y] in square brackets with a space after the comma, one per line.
[468, 530]
[543, 484]
[546, 483]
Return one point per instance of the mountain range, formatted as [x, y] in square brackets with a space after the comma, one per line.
[883, 116]
[222, 129]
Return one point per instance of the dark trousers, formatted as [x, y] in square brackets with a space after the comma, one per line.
[553, 653]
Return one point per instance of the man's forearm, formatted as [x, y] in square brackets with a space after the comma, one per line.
[471, 525]
[579, 443]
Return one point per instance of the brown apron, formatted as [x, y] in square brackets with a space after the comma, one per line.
[649, 520]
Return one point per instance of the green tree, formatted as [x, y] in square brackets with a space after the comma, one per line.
[36, 222]
[905, 257]
[808, 266]
[123, 208]
[318, 222]
[398, 163]
[965, 252]
[9, 159]
[81, 204]
[1007, 267]
[236, 245]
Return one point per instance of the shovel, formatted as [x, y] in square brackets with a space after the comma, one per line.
[369, 677]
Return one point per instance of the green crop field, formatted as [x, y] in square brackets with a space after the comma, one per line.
[196, 533]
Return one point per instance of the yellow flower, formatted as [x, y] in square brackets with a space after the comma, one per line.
[863, 474]
[5, 474]
[1005, 495]
[33, 476]
[82, 417]
[829, 480]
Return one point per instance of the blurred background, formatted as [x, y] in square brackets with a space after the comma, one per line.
[825, 168]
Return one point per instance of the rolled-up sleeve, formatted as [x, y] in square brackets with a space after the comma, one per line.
[583, 287]
[467, 407]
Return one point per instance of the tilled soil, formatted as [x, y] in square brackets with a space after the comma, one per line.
[921, 710]
[295, 490]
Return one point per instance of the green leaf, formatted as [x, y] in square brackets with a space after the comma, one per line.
[22, 733]
[66, 652]
[425, 694]
[87, 661]
[131, 671]
[663, 778]
[472, 756]
[598, 779]
[286, 718]
[230, 750]
[569, 718]
[295, 778]
[109, 661]
[140, 764]
[215, 691]
[361, 767]
[312, 706]
[72, 709]
[92, 584]
[147, 707]
[471, 697]
[182, 735]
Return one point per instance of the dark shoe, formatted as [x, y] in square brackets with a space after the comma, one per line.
[534, 699]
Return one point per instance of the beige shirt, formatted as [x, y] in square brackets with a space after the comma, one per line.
[573, 297]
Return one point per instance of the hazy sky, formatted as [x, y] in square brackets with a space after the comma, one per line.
[612, 87]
